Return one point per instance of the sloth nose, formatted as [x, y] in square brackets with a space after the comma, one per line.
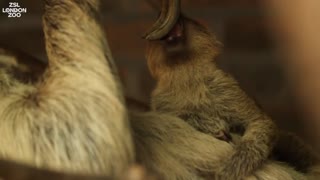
[224, 136]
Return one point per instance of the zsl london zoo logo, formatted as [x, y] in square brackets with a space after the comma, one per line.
[14, 10]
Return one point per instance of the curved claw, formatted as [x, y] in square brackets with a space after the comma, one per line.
[169, 16]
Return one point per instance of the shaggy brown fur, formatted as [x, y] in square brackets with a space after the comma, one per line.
[290, 148]
[172, 149]
[74, 120]
[191, 86]
[153, 130]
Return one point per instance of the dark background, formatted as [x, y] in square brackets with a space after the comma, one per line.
[239, 24]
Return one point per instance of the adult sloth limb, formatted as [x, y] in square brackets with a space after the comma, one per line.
[168, 17]
[170, 148]
[74, 120]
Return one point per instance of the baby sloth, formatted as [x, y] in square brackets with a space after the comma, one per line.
[192, 87]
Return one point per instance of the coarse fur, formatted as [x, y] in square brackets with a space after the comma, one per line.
[172, 149]
[159, 141]
[73, 119]
[192, 87]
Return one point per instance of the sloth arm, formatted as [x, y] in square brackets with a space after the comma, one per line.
[41, 124]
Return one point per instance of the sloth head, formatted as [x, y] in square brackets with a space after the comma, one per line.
[177, 40]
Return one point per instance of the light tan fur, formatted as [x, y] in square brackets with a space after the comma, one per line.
[192, 87]
[74, 119]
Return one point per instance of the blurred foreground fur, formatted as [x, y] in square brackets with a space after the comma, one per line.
[73, 119]
[13, 171]
[191, 87]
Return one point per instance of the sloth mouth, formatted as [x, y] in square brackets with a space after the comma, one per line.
[174, 41]
[176, 34]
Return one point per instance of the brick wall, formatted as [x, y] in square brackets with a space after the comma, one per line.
[239, 24]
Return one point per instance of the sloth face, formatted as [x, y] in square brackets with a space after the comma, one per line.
[188, 42]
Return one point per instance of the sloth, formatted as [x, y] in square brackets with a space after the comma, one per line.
[70, 115]
[59, 121]
[191, 86]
